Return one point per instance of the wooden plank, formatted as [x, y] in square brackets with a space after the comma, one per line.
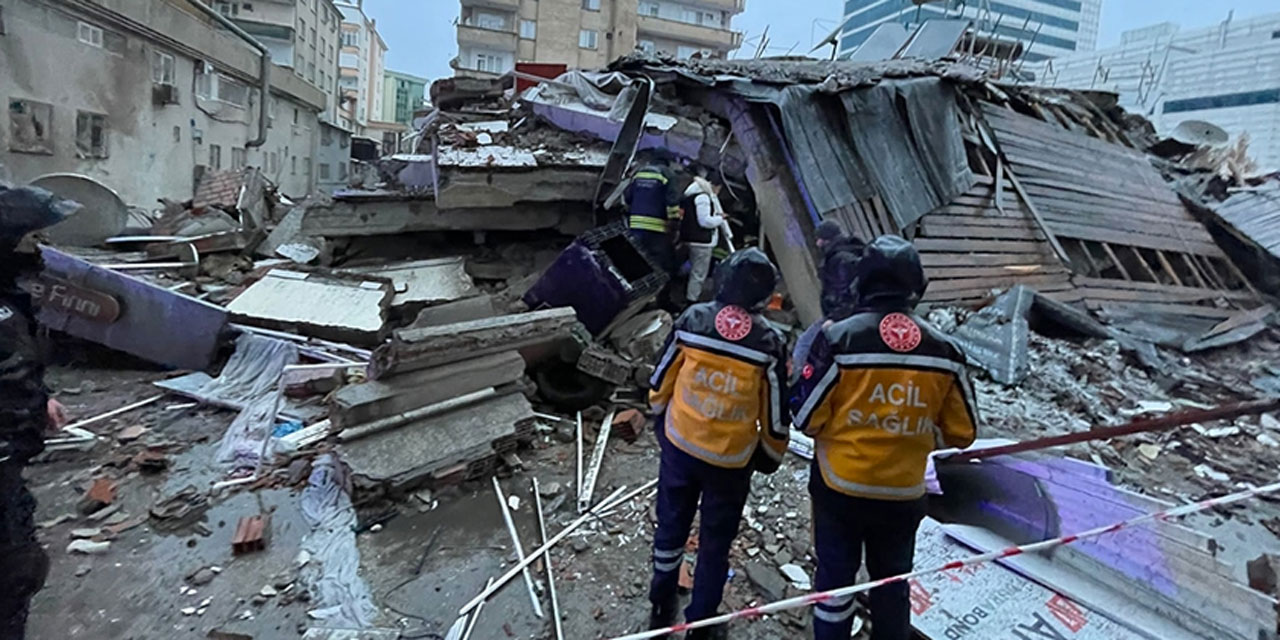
[1240, 276]
[1168, 268]
[1134, 238]
[1148, 296]
[1155, 307]
[938, 218]
[1145, 267]
[1107, 283]
[981, 289]
[1088, 255]
[1012, 211]
[938, 229]
[999, 282]
[1115, 261]
[1195, 270]
[954, 259]
[1035, 214]
[1038, 183]
[1013, 270]
[981, 246]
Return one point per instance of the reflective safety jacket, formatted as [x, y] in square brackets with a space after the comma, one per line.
[650, 201]
[721, 380]
[879, 392]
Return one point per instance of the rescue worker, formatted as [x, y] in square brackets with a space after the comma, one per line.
[880, 390]
[717, 394]
[26, 411]
[703, 220]
[840, 254]
[653, 211]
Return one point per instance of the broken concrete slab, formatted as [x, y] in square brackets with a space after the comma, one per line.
[417, 349]
[389, 213]
[424, 282]
[125, 313]
[360, 403]
[463, 310]
[347, 308]
[412, 455]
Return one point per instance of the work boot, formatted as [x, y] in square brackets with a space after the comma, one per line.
[716, 632]
[664, 615]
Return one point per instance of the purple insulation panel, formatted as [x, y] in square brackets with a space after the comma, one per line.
[127, 314]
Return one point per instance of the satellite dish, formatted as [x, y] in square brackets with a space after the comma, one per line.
[1201, 133]
[104, 213]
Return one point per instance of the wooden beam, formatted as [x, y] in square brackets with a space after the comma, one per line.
[1145, 267]
[1195, 270]
[1093, 264]
[999, 184]
[1168, 268]
[1240, 274]
[1035, 214]
[1115, 260]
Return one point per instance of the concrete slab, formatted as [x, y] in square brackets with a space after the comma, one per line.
[351, 310]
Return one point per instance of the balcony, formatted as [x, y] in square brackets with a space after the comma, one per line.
[493, 39]
[732, 6]
[708, 37]
[514, 5]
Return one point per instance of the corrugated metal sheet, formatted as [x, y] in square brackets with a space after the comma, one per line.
[1256, 215]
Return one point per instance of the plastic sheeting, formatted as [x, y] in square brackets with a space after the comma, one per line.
[600, 91]
[333, 573]
[251, 378]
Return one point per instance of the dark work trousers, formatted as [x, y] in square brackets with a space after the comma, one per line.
[23, 563]
[682, 481]
[658, 247]
[843, 525]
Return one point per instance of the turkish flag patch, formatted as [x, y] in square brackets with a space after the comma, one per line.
[733, 323]
[900, 332]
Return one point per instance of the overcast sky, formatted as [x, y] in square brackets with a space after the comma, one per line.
[422, 39]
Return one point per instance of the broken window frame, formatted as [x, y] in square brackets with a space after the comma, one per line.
[42, 144]
[91, 135]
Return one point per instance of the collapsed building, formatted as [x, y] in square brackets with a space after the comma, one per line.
[429, 325]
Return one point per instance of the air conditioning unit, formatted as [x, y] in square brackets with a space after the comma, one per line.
[163, 94]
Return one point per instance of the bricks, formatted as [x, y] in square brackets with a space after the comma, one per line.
[629, 424]
[252, 534]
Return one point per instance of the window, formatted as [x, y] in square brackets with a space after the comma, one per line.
[302, 29]
[342, 171]
[313, 36]
[248, 6]
[215, 157]
[29, 126]
[162, 68]
[215, 86]
[89, 34]
[528, 29]
[591, 5]
[293, 165]
[227, 8]
[295, 115]
[324, 171]
[486, 20]
[489, 63]
[306, 167]
[649, 8]
[1223, 101]
[588, 39]
[350, 38]
[91, 135]
[647, 46]
[1275, 35]
[239, 158]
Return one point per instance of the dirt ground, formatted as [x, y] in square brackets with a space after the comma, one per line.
[139, 588]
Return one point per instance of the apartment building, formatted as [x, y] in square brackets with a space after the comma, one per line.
[361, 63]
[1227, 74]
[493, 35]
[301, 34]
[403, 94]
[144, 97]
[1050, 28]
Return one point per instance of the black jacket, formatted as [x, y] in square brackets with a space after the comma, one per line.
[839, 267]
[22, 392]
[719, 386]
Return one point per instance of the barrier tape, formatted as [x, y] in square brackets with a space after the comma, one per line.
[823, 596]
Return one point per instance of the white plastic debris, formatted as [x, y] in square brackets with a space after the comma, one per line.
[1208, 472]
[797, 575]
[268, 591]
[1266, 440]
[88, 547]
[513, 502]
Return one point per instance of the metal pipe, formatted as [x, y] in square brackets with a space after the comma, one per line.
[515, 540]
[1141, 425]
[264, 69]
[551, 578]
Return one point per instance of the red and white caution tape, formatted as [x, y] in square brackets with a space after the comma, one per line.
[815, 598]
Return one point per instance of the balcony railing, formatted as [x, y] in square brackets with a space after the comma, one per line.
[513, 5]
[496, 39]
[711, 37]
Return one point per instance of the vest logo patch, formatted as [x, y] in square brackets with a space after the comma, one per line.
[900, 332]
[5, 313]
[733, 323]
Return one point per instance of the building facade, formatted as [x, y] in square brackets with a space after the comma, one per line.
[301, 34]
[361, 63]
[1051, 28]
[1227, 74]
[144, 97]
[403, 94]
[493, 35]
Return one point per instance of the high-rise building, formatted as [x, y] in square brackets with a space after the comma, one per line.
[495, 34]
[1227, 75]
[361, 62]
[1049, 28]
[402, 95]
[301, 34]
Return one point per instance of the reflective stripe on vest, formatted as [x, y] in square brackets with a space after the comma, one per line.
[645, 223]
[650, 175]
